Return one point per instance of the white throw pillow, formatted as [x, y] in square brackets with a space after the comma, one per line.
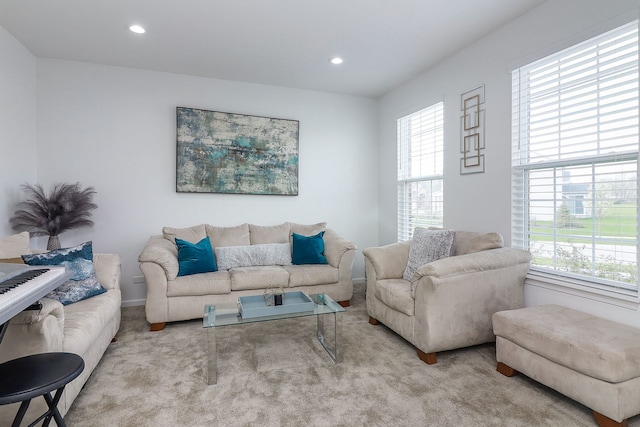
[427, 246]
[247, 256]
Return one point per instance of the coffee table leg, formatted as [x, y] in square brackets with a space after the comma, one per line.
[212, 357]
[334, 349]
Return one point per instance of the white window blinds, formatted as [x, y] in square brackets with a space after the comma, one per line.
[574, 158]
[420, 171]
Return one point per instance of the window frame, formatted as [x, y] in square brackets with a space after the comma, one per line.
[431, 140]
[522, 165]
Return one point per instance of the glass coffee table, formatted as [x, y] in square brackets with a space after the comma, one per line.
[220, 315]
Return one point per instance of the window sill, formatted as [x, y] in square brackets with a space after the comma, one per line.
[623, 298]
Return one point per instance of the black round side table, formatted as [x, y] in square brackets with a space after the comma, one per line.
[36, 375]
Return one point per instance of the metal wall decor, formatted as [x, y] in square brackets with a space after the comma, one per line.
[235, 153]
[472, 131]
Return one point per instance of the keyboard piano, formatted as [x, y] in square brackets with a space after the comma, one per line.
[26, 286]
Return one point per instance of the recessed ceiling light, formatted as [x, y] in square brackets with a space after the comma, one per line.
[137, 29]
[336, 60]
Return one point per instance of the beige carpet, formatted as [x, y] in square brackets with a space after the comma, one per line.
[277, 374]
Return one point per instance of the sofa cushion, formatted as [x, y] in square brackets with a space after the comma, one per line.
[190, 234]
[229, 236]
[468, 242]
[216, 283]
[14, 245]
[395, 293]
[260, 234]
[246, 256]
[308, 249]
[312, 274]
[427, 246]
[243, 278]
[194, 258]
[79, 260]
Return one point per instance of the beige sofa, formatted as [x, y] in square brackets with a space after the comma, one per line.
[86, 327]
[448, 303]
[172, 298]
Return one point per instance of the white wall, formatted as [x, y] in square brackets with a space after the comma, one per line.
[115, 129]
[17, 124]
[481, 202]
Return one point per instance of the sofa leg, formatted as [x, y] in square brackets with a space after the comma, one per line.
[158, 326]
[346, 303]
[373, 321]
[506, 370]
[604, 421]
[428, 358]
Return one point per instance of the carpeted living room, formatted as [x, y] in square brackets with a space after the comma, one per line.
[340, 213]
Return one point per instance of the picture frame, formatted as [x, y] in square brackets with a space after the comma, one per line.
[221, 152]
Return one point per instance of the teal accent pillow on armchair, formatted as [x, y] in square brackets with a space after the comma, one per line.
[195, 258]
[308, 249]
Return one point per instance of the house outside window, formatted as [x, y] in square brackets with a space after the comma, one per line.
[420, 170]
[575, 163]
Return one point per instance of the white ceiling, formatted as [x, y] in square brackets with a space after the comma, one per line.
[276, 42]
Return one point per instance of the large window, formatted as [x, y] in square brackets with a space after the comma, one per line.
[420, 159]
[575, 163]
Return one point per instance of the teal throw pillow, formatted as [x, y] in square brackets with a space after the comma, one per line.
[194, 258]
[308, 249]
[78, 260]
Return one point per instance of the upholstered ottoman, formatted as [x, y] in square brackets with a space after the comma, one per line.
[589, 359]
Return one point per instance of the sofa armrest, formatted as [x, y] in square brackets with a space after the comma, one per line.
[335, 246]
[34, 331]
[108, 270]
[389, 261]
[161, 251]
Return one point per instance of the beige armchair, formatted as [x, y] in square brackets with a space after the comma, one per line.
[448, 303]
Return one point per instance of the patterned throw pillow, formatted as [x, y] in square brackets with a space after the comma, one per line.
[427, 246]
[78, 260]
[247, 256]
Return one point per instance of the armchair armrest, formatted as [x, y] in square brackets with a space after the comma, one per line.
[475, 262]
[161, 251]
[335, 246]
[461, 293]
[390, 261]
[34, 331]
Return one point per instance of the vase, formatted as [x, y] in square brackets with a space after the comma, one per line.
[53, 243]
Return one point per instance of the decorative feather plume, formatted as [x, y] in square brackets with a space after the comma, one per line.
[67, 206]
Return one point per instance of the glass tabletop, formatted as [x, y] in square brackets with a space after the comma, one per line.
[227, 314]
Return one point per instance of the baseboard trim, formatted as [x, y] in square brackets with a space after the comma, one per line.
[133, 303]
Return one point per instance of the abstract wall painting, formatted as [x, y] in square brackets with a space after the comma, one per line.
[472, 131]
[235, 153]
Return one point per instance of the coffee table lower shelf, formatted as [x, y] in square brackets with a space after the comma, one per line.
[324, 307]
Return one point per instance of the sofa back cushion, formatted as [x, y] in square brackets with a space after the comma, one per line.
[305, 229]
[15, 245]
[229, 236]
[468, 242]
[190, 234]
[261, 234]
